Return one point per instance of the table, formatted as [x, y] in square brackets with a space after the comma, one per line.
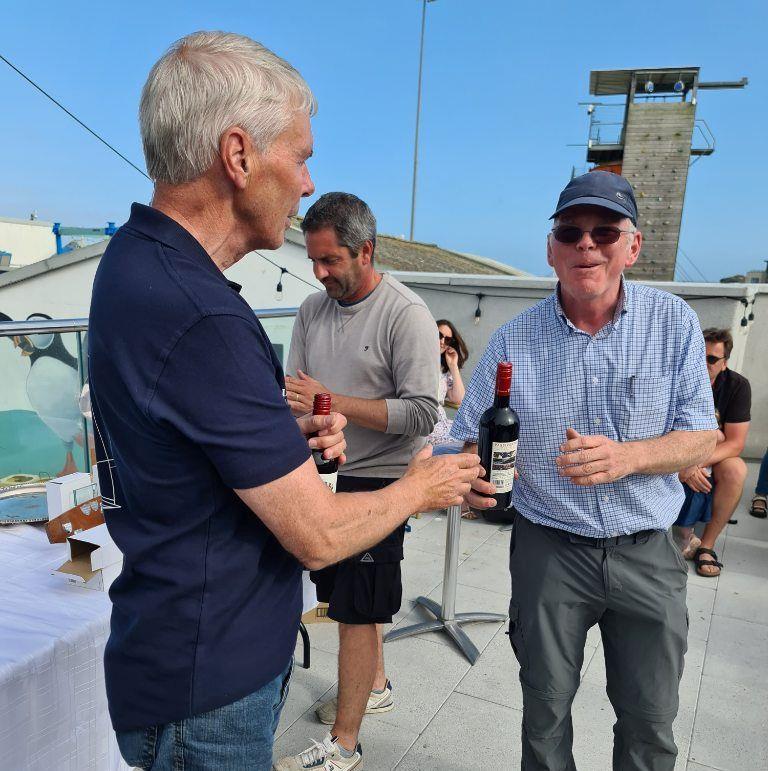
[53, 704]
[446, 618]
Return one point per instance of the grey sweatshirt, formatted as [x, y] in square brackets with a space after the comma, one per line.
[384, 347]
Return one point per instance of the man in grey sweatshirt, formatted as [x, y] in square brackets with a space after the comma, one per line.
[372, 343]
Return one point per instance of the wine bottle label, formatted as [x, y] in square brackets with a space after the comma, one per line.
[503, 455]
[330, 480]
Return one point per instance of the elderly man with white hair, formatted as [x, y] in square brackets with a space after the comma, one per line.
[218, 499]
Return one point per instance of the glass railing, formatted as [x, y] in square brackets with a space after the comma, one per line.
[43, 434]
[606, 124]
[43, 372]
[278, 324]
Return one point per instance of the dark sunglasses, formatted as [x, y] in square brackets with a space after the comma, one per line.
[448, 339]
[602, 234]
[714, 359]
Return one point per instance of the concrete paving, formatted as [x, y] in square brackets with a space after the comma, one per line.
[450, 715]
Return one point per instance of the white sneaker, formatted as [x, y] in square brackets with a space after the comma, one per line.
[322, 756]
[377, 703]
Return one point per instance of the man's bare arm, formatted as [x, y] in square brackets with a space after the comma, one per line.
[320, 528]
[593, 459]
[412, 416]
[734, 437]
[669, 453]
[368, 413]
[733, 446]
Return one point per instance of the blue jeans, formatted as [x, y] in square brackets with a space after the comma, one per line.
[231, 738]
[447, 448]
[762, 479]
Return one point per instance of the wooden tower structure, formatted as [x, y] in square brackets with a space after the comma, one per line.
[652, 139]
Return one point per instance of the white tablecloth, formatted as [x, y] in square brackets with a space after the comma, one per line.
[53, 706]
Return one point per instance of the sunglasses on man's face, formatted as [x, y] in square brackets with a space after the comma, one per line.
[714, 359]
[602, 234]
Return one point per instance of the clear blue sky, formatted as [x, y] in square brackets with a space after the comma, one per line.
[501, 84]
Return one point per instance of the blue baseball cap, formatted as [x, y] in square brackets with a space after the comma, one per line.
[599, 188]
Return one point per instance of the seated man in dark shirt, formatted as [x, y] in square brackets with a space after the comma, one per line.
[719, 495]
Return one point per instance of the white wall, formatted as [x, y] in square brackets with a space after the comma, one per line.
[65, 292]
[755, 368]
[27, 240]
[259, 278]
[717, 305]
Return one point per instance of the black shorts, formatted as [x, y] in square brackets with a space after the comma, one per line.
[366, 588]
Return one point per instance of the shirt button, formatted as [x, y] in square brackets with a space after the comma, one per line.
[595, 380]
[597, 421]
[605, 499]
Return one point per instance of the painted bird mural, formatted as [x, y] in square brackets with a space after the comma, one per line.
[53, 386]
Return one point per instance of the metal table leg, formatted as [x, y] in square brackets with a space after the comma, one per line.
[446, 618]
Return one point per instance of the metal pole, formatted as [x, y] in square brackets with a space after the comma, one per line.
[418, 116]
[451, 569]
[445, 617]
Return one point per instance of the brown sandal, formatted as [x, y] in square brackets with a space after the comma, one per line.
[759, 507]
[700, 563]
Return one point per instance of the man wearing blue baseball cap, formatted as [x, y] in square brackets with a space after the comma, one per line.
[614, 399]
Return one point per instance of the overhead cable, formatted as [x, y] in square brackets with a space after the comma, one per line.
[73, 116]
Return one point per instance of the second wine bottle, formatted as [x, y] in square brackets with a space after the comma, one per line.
[497, 445]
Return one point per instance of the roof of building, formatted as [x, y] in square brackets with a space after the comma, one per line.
[53, 262]
[394, 253]
[33, 223]
[615, 82]
[391, 254]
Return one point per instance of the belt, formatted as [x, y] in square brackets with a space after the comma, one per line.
[603, 543]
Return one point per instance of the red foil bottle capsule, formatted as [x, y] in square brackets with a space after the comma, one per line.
[328, 469]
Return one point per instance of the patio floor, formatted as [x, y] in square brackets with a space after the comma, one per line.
[443, 706]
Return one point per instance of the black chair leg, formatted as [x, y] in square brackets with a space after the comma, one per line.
[305, 642]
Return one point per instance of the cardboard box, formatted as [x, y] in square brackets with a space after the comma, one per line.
[77, 574]
[64, 493]
[318, 615]
[94, 559]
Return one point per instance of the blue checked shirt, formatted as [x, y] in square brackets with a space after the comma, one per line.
[641, 376]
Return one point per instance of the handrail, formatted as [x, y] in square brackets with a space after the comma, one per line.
[14, 328]
[275, 313]
[41, 326]
[707, 136]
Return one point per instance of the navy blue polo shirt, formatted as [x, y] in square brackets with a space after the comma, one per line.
[187, 394]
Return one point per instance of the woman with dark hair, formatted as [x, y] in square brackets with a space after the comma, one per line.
[453, 354]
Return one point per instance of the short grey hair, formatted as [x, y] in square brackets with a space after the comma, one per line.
[206, 83]
[349, 216]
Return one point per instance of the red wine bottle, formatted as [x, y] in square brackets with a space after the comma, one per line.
[497, 445]
[328, 469]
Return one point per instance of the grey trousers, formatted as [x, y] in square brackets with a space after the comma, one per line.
[635, 592]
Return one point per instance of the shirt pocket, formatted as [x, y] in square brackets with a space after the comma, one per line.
[644, 406]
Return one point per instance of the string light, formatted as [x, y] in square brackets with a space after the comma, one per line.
[478, 312]
[279, 287]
